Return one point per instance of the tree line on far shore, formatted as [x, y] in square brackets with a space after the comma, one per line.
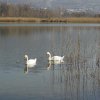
[25, 10]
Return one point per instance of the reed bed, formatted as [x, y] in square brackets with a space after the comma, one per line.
[76, 55]
[66, 20]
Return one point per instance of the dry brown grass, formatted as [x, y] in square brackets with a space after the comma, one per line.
[66, 20]
[18, 19]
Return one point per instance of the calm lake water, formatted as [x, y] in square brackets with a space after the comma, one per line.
[78, 78]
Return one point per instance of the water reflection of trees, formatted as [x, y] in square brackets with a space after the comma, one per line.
[19, 29]
[25, 30]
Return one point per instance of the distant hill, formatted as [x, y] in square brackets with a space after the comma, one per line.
[68, 4]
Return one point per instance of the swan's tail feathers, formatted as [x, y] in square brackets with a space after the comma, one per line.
[62, 59]
[35, 60]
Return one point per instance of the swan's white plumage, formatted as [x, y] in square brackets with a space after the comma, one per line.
[55, 58]
[30, 62]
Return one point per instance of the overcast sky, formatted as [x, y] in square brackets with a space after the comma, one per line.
[94, 4]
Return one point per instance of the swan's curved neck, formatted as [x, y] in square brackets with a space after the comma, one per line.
[27, 58]
[26, 70]
[49, 56]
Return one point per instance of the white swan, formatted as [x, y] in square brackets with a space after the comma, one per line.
[55, 58]
[30, 62]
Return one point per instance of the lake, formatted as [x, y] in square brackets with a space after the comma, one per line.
[78, 78]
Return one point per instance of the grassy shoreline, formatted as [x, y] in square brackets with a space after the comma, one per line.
[65, 20]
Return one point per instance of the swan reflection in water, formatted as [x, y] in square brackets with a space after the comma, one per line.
[54, 62]
[25, 70]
